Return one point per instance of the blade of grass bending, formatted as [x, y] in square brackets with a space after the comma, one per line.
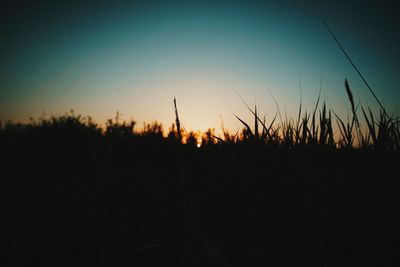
[244, 102]
[271, 124]
[218, 138]
[234, 137]
[262, 123]
[245, 124]
[370, 124]
[277, 108]
[301, 101]
[342, 128]
[354, 66]
[263, 130]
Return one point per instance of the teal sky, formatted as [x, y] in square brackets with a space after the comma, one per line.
[135, 58]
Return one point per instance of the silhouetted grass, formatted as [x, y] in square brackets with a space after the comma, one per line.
[277, 194]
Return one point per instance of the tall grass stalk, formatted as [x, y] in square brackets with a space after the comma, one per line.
[355, 67]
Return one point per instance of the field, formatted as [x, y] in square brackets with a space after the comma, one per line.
[282, 193]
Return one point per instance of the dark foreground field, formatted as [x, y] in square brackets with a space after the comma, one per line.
[73, 196]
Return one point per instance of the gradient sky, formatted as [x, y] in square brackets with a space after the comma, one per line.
[134, 58]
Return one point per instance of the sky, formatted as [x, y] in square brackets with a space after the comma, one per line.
[135, 57]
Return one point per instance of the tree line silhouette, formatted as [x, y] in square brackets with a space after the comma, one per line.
[292, 194]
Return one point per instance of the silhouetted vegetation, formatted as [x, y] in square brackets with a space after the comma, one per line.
[278, 194]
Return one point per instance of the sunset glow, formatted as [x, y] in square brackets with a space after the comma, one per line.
[136, 58]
